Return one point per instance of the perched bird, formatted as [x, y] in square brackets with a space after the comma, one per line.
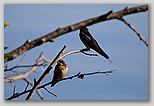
[60, 71]
[90, 42]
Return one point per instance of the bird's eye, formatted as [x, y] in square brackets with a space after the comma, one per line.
[85, 30]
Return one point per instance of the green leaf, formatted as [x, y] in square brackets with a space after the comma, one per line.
[6, 24]
[8, 54]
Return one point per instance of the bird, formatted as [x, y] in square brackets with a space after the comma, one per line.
[90, 42]
[60, 71]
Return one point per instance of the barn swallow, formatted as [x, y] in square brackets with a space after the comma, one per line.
[60, 71]
[90, 42]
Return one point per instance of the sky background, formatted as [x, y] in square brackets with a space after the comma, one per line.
[128, 53]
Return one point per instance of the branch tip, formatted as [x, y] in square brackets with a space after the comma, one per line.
[50, 92]
[14, 90]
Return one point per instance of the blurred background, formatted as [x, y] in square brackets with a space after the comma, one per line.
[128, 53]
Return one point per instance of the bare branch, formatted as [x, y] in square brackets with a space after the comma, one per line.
[71, 52]
[78, 75]
[22, 76]
[99, 72]
[135, 30]
[81, 75]
[38, 92]
[26, 86]
[50, 92]
[23, 66]
[77, 51]
[60, 31]
[20, 60]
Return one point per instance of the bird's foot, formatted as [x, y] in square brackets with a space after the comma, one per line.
[87, 49]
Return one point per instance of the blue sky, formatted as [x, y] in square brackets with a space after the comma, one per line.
[128, 53]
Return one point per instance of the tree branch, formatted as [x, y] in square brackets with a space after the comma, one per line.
[135, 30]
[50, 92]
[50, 36]
[77, 51]
[78, 75]
[38, 92]
[22, 66]
[22, 76]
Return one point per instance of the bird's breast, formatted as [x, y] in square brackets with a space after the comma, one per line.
[65, 71]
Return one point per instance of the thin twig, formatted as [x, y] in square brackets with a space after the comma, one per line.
[90, 73]
[77, 51]
[22, 76]
[50, 92]
[37, 91]
[26, 86]
[23, 66]
[135, 30]
[21, 60]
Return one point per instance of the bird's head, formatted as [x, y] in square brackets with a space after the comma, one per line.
[83, 29]
[61, 62]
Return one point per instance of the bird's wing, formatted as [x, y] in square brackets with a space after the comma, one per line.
[90, 42]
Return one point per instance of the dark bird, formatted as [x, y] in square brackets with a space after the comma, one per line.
[60, 71]
[90, 42]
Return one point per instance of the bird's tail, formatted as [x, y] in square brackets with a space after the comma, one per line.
[110, 60]
[101, 52]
